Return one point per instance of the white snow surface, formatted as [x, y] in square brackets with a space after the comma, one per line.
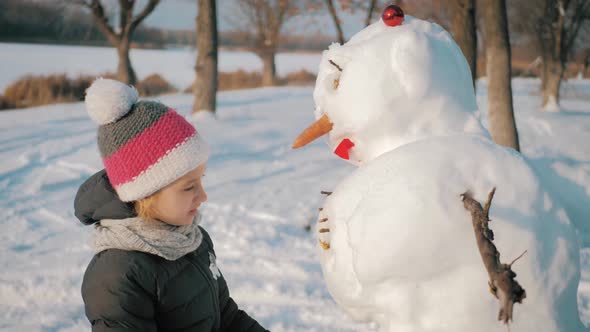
[397, 85]
[402, 251]
[261, 196]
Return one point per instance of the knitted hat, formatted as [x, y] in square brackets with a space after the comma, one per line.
[144, 145]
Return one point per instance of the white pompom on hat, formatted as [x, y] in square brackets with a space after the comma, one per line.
[108, 100]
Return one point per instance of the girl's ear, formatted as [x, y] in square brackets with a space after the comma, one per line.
[145, 208]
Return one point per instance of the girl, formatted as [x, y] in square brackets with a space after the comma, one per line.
[154, 267]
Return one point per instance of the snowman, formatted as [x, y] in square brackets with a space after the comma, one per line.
[396, 243]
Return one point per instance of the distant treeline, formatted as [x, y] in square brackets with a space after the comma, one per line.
[54, 22]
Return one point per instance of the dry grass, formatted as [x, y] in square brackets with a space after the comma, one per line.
[4, 104]
[31, 90]
[301, 77]
[241, 79]
[40, 90]
[154, 85]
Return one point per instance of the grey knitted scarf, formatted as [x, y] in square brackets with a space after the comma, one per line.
[154, 237]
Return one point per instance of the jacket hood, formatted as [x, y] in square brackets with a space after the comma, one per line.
[96, 200]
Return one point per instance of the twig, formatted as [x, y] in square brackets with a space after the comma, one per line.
[502, 283]
[486, 208]
[335, 65]
[517, 258]
[327, 193]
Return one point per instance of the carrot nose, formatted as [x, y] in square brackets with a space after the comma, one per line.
[319, 128]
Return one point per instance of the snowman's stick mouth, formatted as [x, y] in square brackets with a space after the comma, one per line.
[317, 129]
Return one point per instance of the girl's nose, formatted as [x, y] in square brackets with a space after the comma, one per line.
[201, 195]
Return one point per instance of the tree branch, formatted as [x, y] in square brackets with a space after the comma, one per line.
[580, 12]
[370, 11]
[501, 277]
[125, 13]
[101, 20]
[336, 19]
[335, 65]
[144, 13]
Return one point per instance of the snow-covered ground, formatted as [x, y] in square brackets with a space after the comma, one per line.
[175, 65]
[261, 196]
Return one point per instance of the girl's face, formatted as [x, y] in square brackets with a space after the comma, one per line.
[177, 203]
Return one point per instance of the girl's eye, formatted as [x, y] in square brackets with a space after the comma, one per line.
[189, 188]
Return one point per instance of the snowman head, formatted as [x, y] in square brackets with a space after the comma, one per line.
[395, 82]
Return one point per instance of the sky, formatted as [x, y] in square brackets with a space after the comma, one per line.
[181, 14]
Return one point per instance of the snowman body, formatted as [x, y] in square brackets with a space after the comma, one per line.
[398, 245]
[403, 253]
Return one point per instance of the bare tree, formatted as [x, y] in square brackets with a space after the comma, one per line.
[120, 37]
[266, 18]
[586, 63]
[497, 47]
[370, 10]
[351, 6]
[205, 88]
[437, 11]
[557, 29]
[463, 29]
[336, 19]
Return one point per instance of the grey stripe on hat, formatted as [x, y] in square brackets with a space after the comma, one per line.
[114, 135]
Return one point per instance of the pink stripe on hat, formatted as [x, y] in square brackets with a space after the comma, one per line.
[148, 147]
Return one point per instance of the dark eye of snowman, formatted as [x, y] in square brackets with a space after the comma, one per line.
[336, 81]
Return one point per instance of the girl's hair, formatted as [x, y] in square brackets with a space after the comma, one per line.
[145, 207]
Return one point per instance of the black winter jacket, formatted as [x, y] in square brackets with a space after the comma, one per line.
[136, 291]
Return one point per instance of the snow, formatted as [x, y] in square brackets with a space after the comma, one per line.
[261, 196]
[551, 105]
[175, 65]
[409, 247]
[393, 87]
[397, 244]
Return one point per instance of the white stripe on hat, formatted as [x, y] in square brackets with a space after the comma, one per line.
[176, 163]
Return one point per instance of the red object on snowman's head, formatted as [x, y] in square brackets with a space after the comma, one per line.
[392, 15]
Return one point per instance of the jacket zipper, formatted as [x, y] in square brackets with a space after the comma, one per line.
[212, 287]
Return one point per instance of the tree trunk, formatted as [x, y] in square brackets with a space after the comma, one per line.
[463, 29]
[552, 37]
[205, 88]
[121, 39]
[370, 11]
[500, 109]
[268, 68]
[125, 72]
[586, 65]
[553, 71]
[337, 23]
